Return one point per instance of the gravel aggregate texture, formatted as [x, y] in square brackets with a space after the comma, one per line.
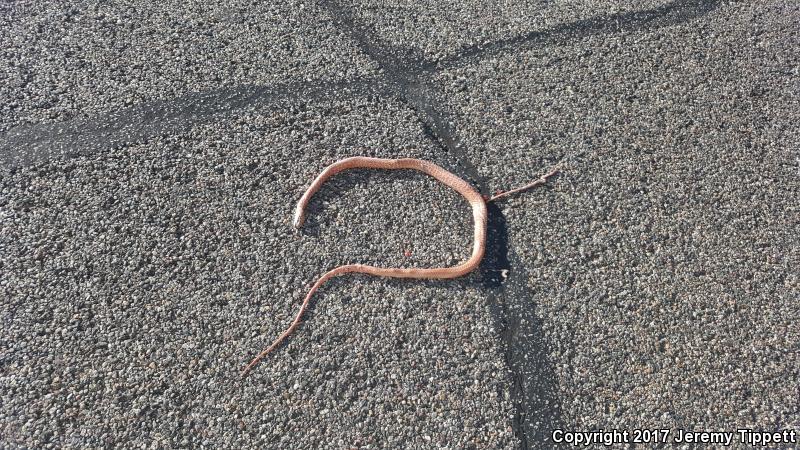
[139, 282]
[151, 155]
[456, 25]
[663, 264]
[66, 59]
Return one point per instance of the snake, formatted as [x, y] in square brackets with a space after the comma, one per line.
[479, 213]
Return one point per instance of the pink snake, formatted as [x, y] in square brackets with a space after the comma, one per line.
[475, 200]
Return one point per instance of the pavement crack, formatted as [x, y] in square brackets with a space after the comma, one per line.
[673, 13]
[404, 75]
[523, 341]
[32, 144]
[534, 388]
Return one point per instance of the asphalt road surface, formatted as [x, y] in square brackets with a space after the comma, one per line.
[152, 153]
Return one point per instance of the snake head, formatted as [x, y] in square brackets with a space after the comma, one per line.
[299, 217]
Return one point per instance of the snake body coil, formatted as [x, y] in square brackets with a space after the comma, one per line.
[475, 200]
